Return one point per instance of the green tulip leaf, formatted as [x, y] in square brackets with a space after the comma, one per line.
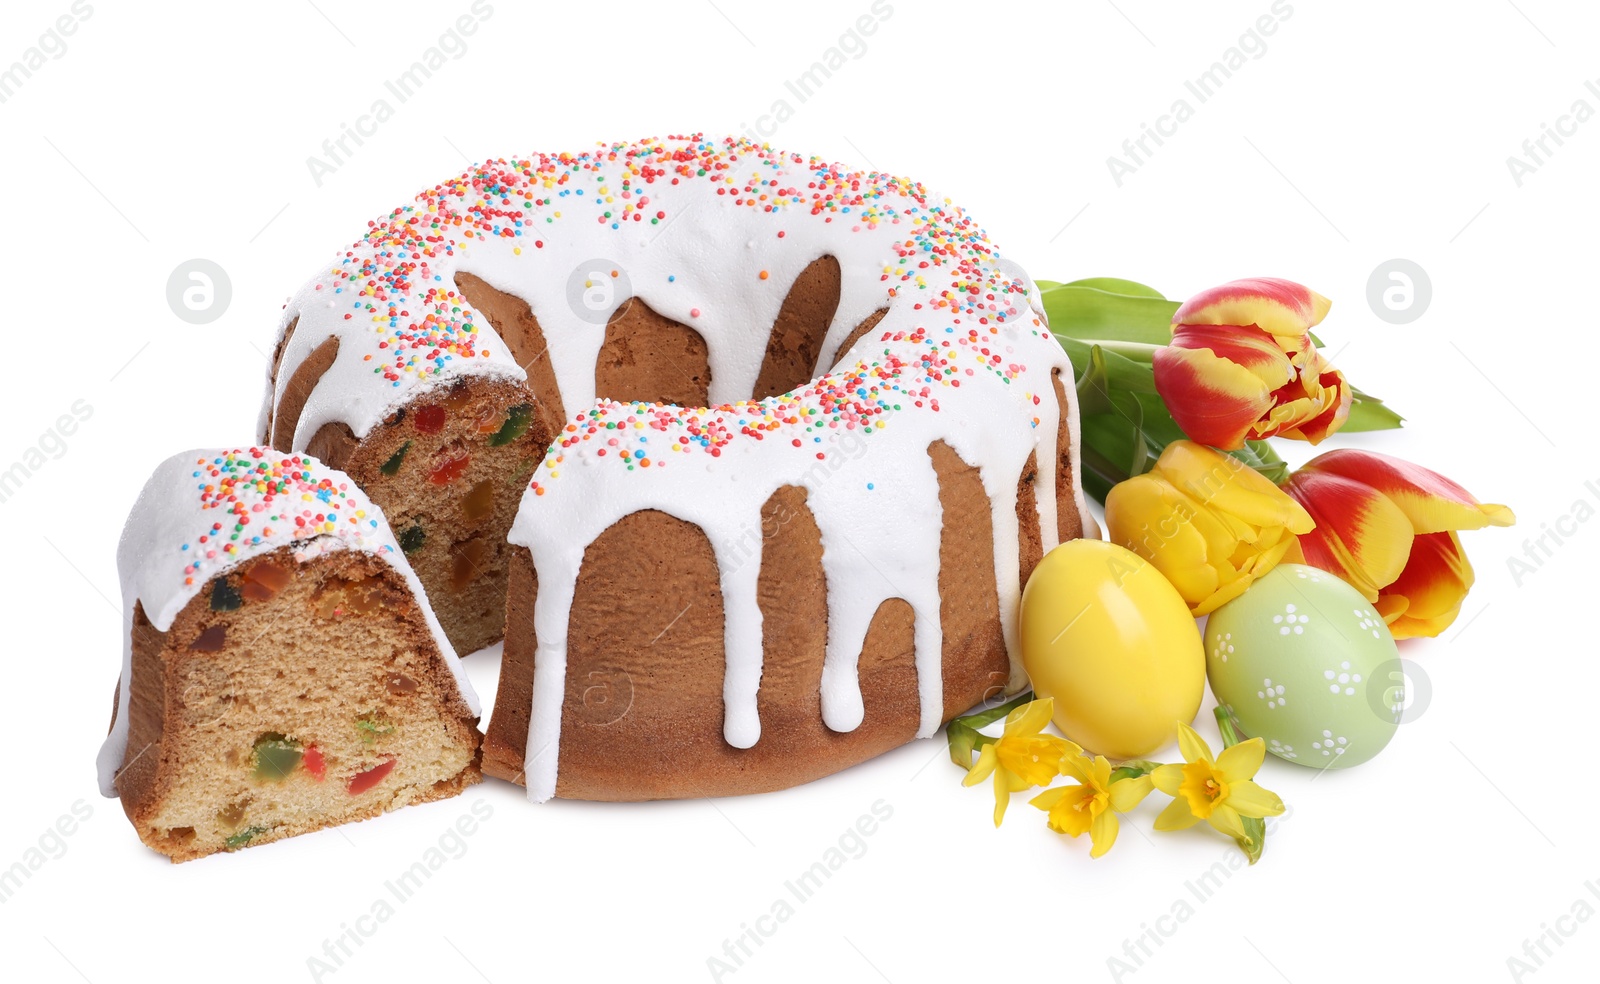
[1113, 285]
[1261, 456]
[1087, 312]
[1368, 413]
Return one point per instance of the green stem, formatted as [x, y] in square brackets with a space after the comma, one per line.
[963, 734]
[1230, 734]
[1255, 828]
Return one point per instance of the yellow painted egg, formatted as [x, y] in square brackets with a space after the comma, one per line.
[1110, 638]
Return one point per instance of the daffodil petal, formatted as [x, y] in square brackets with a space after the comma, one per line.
[1074, 765]
[1166, 778]
[1030, 718]
[988, 758]
[1002, 795]
[1193, 747]
[1226, 819]
[1128, 793]
[1049, 797]
[1103, 833]
[1239, 762]
[1251, 800]
[1176, 816]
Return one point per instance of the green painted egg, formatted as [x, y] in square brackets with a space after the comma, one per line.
[1297, 660]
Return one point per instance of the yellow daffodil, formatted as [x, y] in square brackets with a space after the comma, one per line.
[1021, 757]
[1093, 803]
[1217, 790]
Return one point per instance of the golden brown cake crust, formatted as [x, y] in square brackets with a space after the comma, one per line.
[643, 711]
[643, 705]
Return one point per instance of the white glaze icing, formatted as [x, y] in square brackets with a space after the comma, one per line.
[181, 534]
[963, 352]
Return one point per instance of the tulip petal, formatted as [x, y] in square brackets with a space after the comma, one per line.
[1432, 502]
[1154, 520]
[1229, 486]
[1434, 584]
[1103, 833]
[1240, 762]
[1360, 535]
[1216, 399]
[1253, 801]
[1281, 307]
[1315, 405]
[1176, 816]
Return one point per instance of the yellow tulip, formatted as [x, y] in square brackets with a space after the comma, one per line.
[1207, 521]
[1217, 790]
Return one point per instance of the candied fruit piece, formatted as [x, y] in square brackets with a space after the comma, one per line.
[392, 466]
[372, 727]
[315, 763]
[411, 538]
[400, 685]
[263, 581]
[232, 815]
[349, 597]
[449, 469]
[363, 781]
[243, 837]
[479, 502]
[211, 640]
[225, 597]
[517, 420]
[430, 419]
[276, 756]
[467, 560]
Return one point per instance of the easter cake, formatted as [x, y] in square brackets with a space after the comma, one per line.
[811, 435]
[282, 670]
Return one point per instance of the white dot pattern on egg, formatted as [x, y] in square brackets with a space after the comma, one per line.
[1292, 659]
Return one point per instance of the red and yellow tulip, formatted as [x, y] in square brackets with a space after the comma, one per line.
[1388, 527]
[1241, 365]
[1207, 521]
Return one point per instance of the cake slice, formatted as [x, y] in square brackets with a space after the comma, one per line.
[282, 671]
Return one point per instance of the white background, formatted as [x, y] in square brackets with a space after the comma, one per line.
[1366, 131]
